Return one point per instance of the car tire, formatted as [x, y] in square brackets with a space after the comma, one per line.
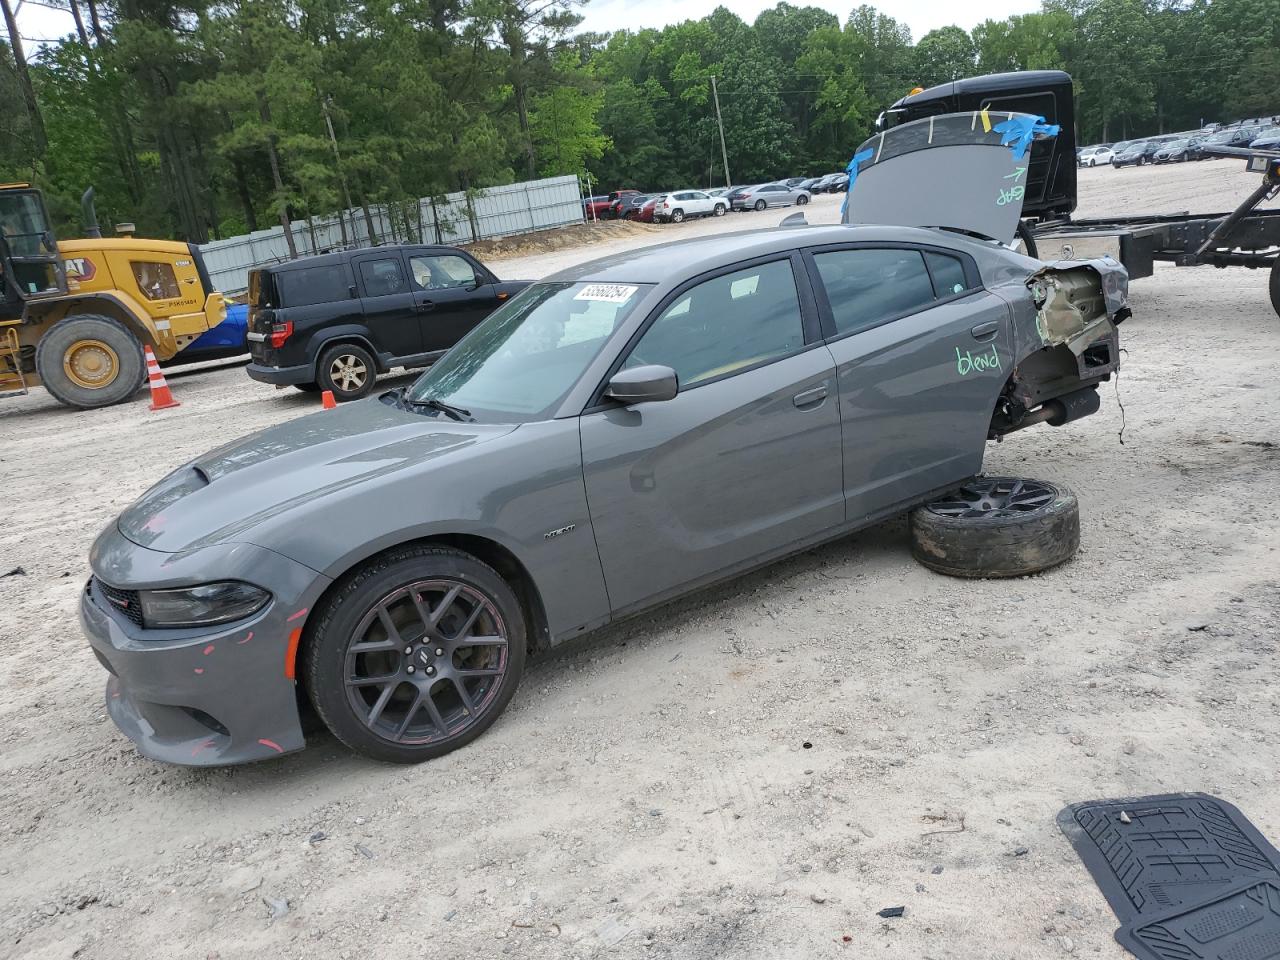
[1023, 233]
[348, 370]
[390, 720]
[801, 200]
[90, 361]
[997, 527]
[760, 205]
[1275, 286]
[719, 211]
[677, 216]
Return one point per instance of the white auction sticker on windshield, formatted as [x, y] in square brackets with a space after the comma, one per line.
[606, 292]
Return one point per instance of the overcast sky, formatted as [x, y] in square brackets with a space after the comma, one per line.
[38, 22]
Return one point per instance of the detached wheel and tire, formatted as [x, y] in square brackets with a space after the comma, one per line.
[348, 370]
[997, 527]
[90, 361]
[415, 655]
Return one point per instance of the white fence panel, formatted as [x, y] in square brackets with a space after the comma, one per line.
[494, 212]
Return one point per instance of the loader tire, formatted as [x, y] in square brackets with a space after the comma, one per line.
[997, 527]
[90, 361]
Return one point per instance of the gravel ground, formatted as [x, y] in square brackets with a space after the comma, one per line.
[750, 773]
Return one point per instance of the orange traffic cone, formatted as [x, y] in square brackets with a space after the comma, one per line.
[327, 398]
[161, 398]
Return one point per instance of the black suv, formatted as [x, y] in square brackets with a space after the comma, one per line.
[335, 321]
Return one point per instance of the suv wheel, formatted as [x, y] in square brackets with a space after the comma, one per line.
[416, 654]
[719, 212]
[348, 370]
[677, 216]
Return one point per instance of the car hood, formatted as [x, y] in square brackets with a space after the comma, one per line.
[222, 495]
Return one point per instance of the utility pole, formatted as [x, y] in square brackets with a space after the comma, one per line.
[724, 153]
[342, 177]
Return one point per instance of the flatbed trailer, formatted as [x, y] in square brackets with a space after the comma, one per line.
[1245, 237]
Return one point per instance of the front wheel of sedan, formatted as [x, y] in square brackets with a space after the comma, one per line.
[997, 527]
[415, 655]
[801, 200]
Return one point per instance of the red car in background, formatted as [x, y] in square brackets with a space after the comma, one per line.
[602, 209]
[645, 213]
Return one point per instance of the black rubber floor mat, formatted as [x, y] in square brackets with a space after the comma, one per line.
[1241, 924]
[1150, 855]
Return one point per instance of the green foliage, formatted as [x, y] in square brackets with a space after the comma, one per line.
[198, 119]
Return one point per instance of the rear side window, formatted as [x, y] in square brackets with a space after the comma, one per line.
[383, 278]
[948, 274]
[302, 288]
[867, 287]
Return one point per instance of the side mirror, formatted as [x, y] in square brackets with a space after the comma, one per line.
[645, 384]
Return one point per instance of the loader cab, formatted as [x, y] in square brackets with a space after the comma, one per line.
[30, 268]
[1051, 176]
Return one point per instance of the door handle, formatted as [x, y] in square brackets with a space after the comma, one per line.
[985, 331]
[808, 398]
[425, 306]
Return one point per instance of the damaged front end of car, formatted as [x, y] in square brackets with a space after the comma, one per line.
[1067, 343]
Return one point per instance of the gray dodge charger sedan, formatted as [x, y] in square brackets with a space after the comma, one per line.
[619, 434]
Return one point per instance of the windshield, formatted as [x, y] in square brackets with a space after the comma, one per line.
[23, 224]
[521, 361]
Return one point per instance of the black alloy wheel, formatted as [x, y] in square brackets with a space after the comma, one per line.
[416, 655]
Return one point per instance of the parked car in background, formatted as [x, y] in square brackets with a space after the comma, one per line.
[809, 184]
[334, 322]
[603, 209]
[770, 195]
[824, 183]
[225, 340]
[590, 204]
[626, 206]
[1175, 151]
[1269, 140]
[1093, 156]
[719, 191]
[839, 183]
[645, 212]
[1230, 137]
[793, 181]
[687, 204]
[1136, 154]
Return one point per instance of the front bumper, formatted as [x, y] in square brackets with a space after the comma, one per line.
[281, 375]
[201, 697]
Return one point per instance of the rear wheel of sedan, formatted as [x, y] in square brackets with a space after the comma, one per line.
[997, 527]
[348, 370]
[415, 655]
[760, 204]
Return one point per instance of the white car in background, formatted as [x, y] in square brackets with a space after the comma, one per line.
[683, 204]
[1092, 156]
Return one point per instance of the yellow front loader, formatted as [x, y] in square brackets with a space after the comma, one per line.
[74, 316]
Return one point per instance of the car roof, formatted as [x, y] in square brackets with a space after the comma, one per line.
[688, 258]
[341, 256]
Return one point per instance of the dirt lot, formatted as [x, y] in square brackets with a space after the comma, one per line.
[749, 774]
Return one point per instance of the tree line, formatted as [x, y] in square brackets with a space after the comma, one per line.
[198, 119]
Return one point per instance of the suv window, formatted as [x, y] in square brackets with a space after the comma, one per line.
[382, 278]
[724, 324]
[302, 288]
[441, 272]
[867, 287]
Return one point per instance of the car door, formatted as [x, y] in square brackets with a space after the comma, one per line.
[389, 310]
[743, 462]
[700, 204]
[922, 353]
[452, 294]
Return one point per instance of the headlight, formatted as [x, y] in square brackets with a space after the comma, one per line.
[200, 606]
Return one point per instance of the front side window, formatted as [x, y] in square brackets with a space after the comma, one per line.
[383, 278]
[155, 280]
[867, 287]
[441, 272]
[726, 324]
[521, 361]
